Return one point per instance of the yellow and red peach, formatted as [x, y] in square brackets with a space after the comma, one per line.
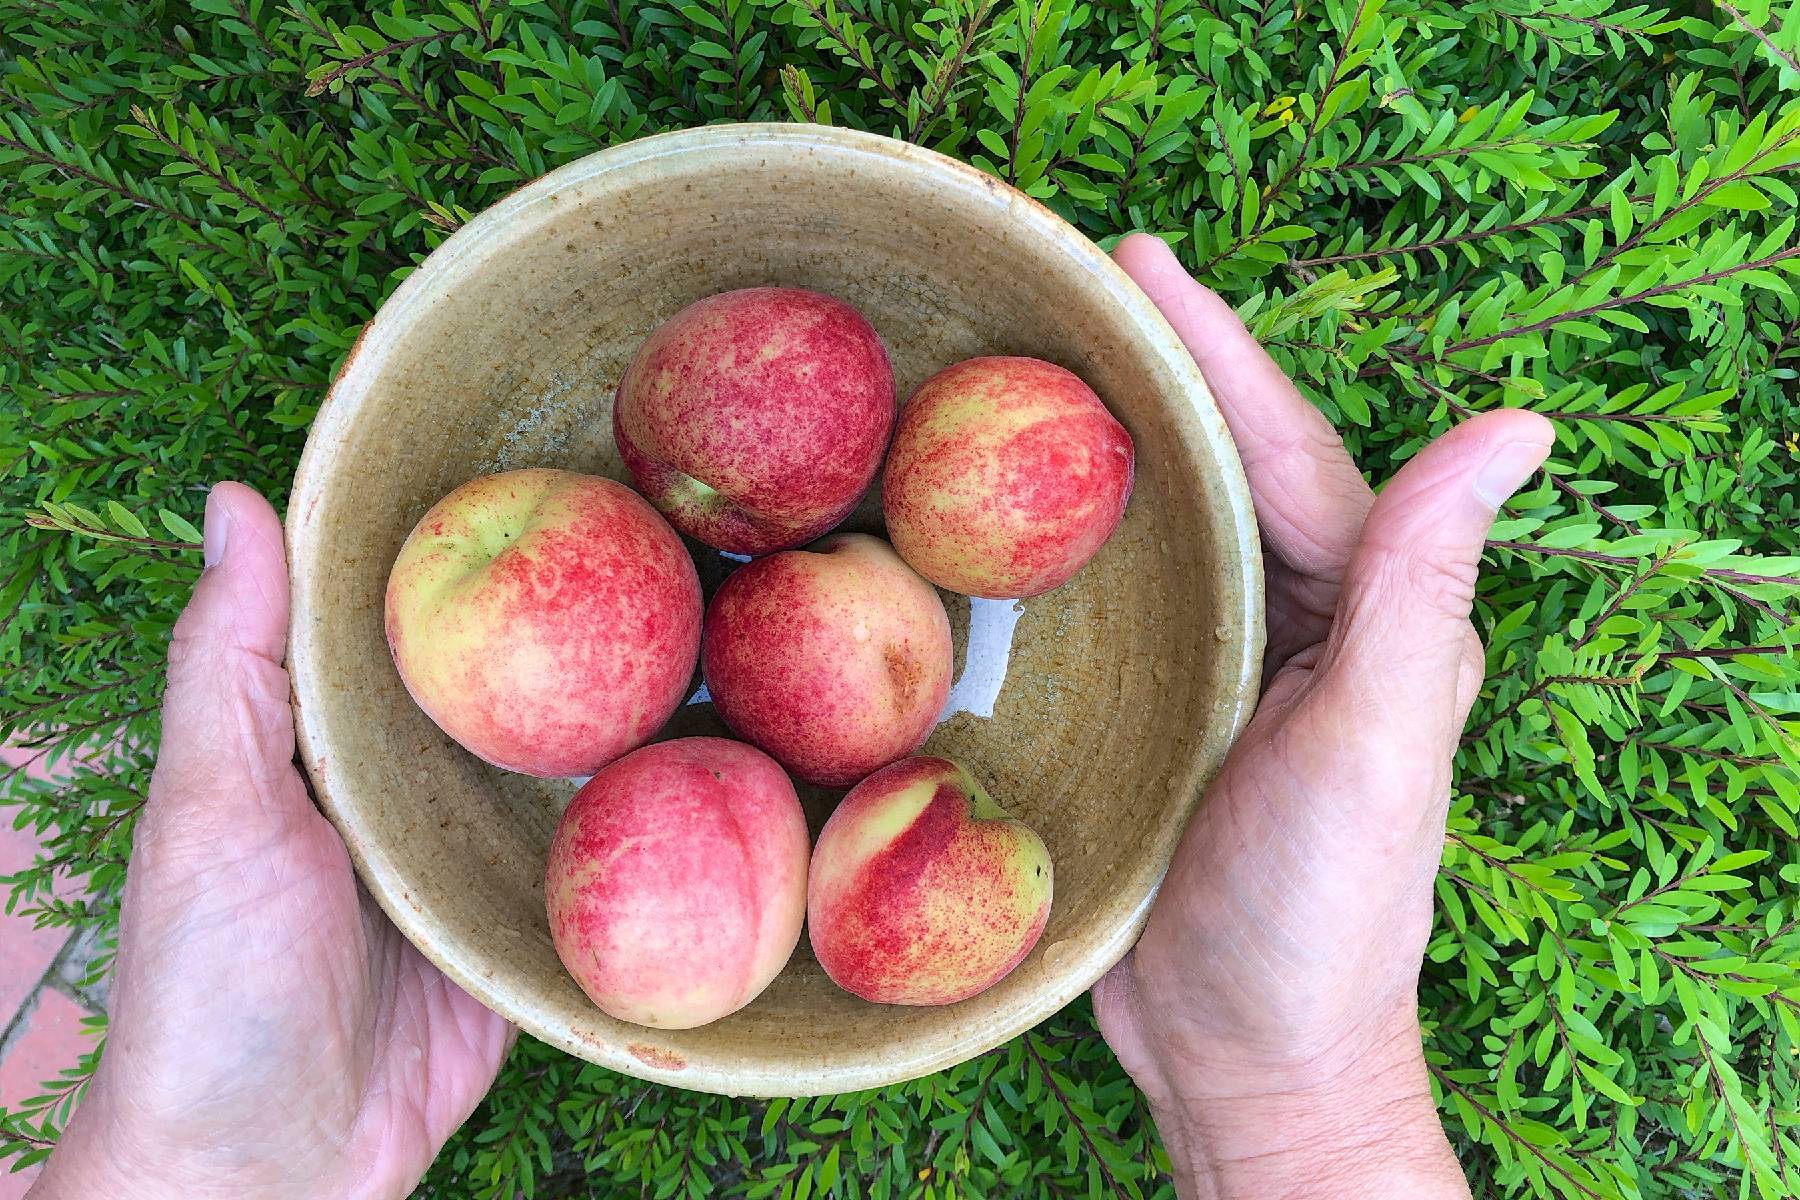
[1006, 475]
[755, 420]
[835, 659]
[922, 889]
[676, 881]
[548, 621]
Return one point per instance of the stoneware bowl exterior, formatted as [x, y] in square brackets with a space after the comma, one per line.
[1096, 712]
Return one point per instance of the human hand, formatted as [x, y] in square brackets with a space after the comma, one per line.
[271, 1034]
[1269, 1012]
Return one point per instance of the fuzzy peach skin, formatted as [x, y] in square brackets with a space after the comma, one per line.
[835, 659]
[923, 890]
[755, 420]
[1005, 476]
[676, 881]
[548, 621]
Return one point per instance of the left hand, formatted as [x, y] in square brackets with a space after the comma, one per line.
[271, 1034]
[1270, 1011]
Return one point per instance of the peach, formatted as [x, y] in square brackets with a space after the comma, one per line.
[1005, 476]
[834, 659]
[547, 621]
[923, 890]
[755, 419]
[676, 881]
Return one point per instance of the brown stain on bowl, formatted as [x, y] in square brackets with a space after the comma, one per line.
[651, 1056]
[350, 356]
[1122, 689]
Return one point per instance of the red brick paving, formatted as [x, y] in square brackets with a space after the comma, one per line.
[14, 1186]
[25, 953]
[50, 1039]
[40, 1027]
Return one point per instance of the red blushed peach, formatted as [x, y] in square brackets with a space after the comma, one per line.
[835, 659]
[755, 420]
[676, 881]
[548, 621]
[1005, 476]
[922, 889]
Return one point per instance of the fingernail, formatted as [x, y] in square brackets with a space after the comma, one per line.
[217, 526]
[1509, 466]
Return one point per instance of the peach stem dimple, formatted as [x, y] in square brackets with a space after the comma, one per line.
[688, 489]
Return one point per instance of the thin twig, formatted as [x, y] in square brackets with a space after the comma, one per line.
[1756, 32]
[1662, 289]
[861, 61]
[1482, 1110]
[1069, 1111]
[943, 80]
[330, 77]
[116, 189]
[1726, 651]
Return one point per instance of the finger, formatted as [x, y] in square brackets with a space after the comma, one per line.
[1399, 652]
[228, 737]
[1310, 498]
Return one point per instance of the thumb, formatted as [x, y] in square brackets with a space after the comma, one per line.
[1402, 627]
[228, 736]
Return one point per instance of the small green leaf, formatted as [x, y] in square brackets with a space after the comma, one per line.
[178, 526]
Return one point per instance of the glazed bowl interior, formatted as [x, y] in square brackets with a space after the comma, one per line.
[1095, 712]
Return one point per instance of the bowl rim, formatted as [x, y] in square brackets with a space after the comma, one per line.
[1242, 586]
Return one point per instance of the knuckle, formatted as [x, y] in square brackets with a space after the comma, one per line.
[1448, 585]
[188, 654]
[1313, 442]
[1444, 584]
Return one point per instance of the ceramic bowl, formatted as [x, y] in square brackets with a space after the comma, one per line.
[1096, 712]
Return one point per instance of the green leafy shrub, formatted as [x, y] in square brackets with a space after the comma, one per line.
[1580, 206]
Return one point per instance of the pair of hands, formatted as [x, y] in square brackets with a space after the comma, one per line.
[271, 1034]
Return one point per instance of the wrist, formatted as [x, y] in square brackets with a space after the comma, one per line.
[1350, 1118]
[88, 1162]
[114, 1151]
[1360, 1127]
